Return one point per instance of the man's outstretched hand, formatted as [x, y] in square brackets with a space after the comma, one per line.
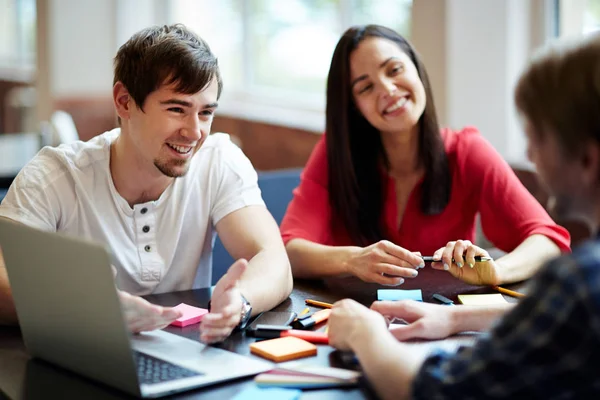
[226, 306]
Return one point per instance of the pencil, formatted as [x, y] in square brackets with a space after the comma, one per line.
[305, 311]
[318, 303]
[508, 291]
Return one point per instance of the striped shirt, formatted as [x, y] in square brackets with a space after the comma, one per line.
[546, 347]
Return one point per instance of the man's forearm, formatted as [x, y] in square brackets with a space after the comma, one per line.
[268, 280]
[526, 259]
[390, 366]
[313, 260]
[477, 318]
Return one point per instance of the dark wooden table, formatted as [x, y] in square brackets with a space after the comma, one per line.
[24, 378]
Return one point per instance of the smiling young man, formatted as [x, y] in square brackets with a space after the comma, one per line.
[157, 189]
[548, 345]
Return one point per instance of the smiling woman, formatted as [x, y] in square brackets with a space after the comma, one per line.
[386, 185]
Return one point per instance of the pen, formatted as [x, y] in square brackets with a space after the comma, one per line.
[318, 303]
[477, 259]
[305, 311]
[508, 291]
[310, 320]
[275, 331]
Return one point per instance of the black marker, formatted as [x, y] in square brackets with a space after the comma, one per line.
[443, 299]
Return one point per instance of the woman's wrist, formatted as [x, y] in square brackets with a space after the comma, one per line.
[350, 253]
[498, 277]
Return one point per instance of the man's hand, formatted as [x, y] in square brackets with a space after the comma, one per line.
[350, 323]
[140, 315]
[226, 306]
[425, 321]
[464, 266]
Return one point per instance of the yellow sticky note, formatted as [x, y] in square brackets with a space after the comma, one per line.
[481, 299]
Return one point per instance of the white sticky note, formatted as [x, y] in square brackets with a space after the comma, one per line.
[481, 299]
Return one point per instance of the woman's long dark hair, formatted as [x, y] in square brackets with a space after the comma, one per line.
[355, 150]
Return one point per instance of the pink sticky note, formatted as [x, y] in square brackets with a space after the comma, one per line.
[191, 315]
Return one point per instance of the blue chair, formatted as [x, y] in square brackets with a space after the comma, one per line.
[276, 188]
[2, 194]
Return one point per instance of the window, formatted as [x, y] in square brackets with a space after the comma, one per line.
[219, 23]
[17, 34]
[577, 17]
[278, 52]
[591, 18]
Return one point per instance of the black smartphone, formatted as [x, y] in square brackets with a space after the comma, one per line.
[273, 318]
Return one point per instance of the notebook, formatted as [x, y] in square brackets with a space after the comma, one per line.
[481, 299]
[283, 349]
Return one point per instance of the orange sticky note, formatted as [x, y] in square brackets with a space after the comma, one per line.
[283, 349]
[191, 315]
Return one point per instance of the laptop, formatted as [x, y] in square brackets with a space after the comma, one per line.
[70, 315]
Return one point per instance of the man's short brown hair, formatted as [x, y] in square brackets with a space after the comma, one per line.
[169, 54]
[560, 93]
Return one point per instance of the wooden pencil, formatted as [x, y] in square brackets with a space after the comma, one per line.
[508, 292]
[318, 303]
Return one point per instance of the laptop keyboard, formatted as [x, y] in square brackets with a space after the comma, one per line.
[154, 370]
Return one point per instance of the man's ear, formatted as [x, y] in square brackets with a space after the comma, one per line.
[122, 101]
[590, 161]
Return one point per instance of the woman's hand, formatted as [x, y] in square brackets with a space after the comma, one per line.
[384, 263]
[464, 266]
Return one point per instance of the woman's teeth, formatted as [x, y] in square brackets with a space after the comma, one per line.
[396, 105]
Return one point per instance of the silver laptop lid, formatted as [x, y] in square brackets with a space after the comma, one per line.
[49, 274]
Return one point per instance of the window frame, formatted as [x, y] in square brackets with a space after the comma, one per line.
[261, 103]
[21, 59]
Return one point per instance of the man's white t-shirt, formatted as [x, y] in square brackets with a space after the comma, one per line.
[158, 246]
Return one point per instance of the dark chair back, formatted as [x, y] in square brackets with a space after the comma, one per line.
[579, 231]
[276, 188]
